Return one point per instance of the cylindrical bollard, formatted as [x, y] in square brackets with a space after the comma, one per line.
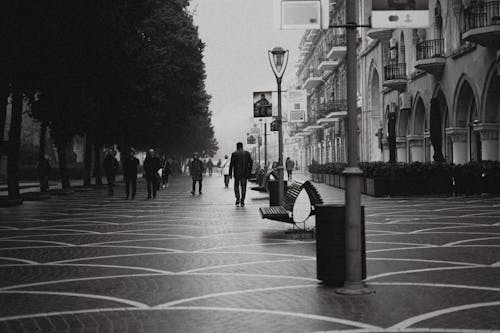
[273, 186]
[331, 244]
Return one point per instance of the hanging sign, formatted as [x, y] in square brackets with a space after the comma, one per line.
[395, 14]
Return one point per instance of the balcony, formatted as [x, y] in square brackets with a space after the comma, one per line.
[327, 65]
[337, 47]
[380, 34]
[395, 77]
[430, 56]
[482, 24]
[313, 80]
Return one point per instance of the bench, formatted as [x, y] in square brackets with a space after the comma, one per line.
[284, 213]
[264, 180]
[259, 175]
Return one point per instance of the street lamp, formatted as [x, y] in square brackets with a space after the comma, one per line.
[278, 58]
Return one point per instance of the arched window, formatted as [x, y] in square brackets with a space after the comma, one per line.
[438, 21]
[402, 50]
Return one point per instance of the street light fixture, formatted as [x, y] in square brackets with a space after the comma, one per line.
[278, 58]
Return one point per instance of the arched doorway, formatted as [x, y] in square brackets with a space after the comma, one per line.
[416, 141]
[489, 128]
[439, 121]
[467, 143]
[401, 133]
[375, 153]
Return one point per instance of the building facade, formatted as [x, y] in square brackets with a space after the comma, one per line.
[424, 94]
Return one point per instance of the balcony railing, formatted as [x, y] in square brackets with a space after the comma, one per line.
[430, 49]
[332, 106]
[395, 72]
[482, 14]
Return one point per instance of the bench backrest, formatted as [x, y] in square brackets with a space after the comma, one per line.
[313, 193]
[291, 195]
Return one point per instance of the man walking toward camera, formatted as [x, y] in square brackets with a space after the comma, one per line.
[152, 164]
[241, 168]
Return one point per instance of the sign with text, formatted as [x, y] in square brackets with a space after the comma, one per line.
[262, 106]
[400, 14]
[297, 106]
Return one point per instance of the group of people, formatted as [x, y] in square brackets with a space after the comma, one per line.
[152, 165]
[240, 166]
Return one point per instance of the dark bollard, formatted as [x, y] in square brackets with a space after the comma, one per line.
[273, 192]
[331, 244]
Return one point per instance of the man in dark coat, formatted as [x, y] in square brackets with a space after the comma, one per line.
[241, 168]
[196, 170]
[44, 173]
[111, 167]
[151, 165]
[130, 174]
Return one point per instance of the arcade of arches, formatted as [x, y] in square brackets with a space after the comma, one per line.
[429, 131]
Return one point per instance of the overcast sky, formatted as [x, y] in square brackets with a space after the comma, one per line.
[237, 34]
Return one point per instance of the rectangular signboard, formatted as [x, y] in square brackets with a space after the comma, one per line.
[297, 105]
[301, 14]
[262, 105]
[400, 14]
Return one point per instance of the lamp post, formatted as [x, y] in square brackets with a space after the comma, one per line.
[278, 58]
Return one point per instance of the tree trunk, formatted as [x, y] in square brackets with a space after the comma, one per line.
[3, 112]
[97, 164]
[41, 151]
[87, 161]
[63, 164]
[15, 144]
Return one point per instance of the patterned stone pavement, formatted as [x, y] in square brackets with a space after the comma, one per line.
[90, 263]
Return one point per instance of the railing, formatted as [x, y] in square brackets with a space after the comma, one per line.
[430, 49]
[482, 14]
[333, 106]
[395, 72]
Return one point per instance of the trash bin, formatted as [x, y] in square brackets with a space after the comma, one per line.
[273, 192]
[331, 244]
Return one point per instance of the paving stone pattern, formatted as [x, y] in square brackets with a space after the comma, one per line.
[92, 263]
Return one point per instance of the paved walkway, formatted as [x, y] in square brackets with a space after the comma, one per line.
[90, 263]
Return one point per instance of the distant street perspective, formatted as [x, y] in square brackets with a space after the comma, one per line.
[250, 166]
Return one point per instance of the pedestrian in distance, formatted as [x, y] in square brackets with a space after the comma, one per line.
[219, 167]
[130, 174]
[166, 171]
[225, 170]
[151, 165]
[196, 170]
[241, 168]
[289, 165]
[210, 167]
[205, 169]
[44, 168]
[111, 167]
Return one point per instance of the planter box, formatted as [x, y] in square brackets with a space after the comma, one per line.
[376, 187]
[342, 181]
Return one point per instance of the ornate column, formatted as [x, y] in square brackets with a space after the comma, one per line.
[489, 141]
[458, 137]
[401, 152]
[416, 143]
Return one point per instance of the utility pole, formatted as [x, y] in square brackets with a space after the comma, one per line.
[353, 284]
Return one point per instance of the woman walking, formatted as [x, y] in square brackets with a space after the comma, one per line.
[196, 170]
[225, 170]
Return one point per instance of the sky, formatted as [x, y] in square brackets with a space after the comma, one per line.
[238, 34]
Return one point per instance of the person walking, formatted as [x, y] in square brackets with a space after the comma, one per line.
[166, 171]
[151, 165]
[130, 174]
[241, 168]
[289, 164]
[196, 171]
[225, 170]
[111, 167]
[44, 168]
[210, 167]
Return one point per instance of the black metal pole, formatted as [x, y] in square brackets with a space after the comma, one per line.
[353, 284]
